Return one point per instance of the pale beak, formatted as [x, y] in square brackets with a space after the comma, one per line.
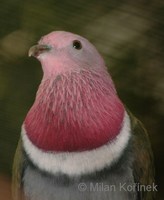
[36, 50]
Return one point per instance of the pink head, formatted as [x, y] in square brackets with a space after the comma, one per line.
[76, 106]
[61, 52]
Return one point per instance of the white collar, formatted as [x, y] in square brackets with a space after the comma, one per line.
[78, 163]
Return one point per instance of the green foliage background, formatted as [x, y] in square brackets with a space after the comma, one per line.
[128, 33]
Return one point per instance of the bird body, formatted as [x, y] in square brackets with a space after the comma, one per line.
[78, 141]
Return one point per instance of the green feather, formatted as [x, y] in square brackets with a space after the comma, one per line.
[143, 165]
[17, 172]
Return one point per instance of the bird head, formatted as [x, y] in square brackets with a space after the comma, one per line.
[61, 52]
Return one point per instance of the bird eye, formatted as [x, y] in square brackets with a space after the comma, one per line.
[77, 44]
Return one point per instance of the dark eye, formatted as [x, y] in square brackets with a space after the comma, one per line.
[77, 44]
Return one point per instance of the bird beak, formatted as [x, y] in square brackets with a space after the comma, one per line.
[36, 50]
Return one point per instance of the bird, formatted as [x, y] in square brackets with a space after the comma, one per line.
[78, 140]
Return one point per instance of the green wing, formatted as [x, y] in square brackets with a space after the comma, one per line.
[17, 173]
[143, 165]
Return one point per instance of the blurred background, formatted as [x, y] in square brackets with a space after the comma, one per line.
[128, 33]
